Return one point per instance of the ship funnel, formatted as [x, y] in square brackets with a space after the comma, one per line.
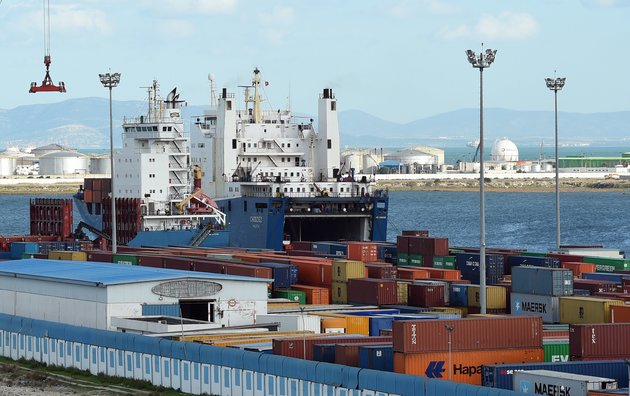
[327, 93]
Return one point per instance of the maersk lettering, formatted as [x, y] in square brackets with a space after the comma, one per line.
[551, 389]
[534, 307]
[466, 370]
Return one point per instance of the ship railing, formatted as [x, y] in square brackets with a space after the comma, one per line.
[155, 134]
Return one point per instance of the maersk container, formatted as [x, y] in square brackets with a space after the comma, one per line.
[376, 357]
[556, 350]
[547, 262]
[543, 382]
[575, 310]
[599, 341]
[605, 264]
[606, 276]
[458, 295]
[468, 265]
[542, 281]
[547, 307]
[500, 375]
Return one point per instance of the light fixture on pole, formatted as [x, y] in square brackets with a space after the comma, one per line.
[450, 329]
[556, 84]
[110, 81]
[481, 62]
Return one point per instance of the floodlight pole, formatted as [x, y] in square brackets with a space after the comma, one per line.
[110, 81]
[556, 84]
[481, 62]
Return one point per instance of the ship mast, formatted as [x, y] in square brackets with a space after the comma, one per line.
[256, 84]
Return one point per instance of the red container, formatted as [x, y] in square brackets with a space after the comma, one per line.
[444, 274]
[301, 245]
[567, 257]
[402, 244]
[372, 291]
[578, 268]
[362, 251]
[348, 354]
[209, 266]
[179, 263]
[314, 272]
[415, 336]
[151, 261]
[428, 246]
[100, 256]
[294, 347]
[489, 311]
[425, 295]
[594, 286]
[314, 294]
[381, 271]
[600, 340]
[412, 273]
[620, 313]
[248, 270]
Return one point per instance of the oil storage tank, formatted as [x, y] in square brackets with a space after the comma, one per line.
[63, 163]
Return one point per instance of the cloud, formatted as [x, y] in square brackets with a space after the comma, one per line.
[177, 28]
[440, 7]
[193, 7]
[507, 25]
[406, 8]
[72, 18]
[606, 3]
[276, 24]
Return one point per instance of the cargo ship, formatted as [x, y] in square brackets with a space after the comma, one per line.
[248, 178]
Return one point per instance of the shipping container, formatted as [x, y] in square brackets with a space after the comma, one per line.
[127, 259]
[402, 292]
[547, 307]
[295, 346]
[353, 324]
[601, 341]
[18, 249]
[412, 273]
[314, 295]
[575, 310]
[425, 295]
[376, 357]
[444, 262]
[333, 325]
[500, 375]
[578, 267]
[65, 255]
[606, 276]
[417, 233]
[543, 382]
[605, 264]
[283, 276]
[445, 288]
[348, 354]
[496, 297]
[542, 281]
[620, 314]
[344, 270]
[381, 270]
[467, 334]
[339, 293]
[387, 253]
[545, 261]
[461, 366]
[458, 295]
[378, 323]
[468, 265]
[594, 286]
[362, 251]
[556, 350]
[372, 291]
[324, 353]
[292, 322]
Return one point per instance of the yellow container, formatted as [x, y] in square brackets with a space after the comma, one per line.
[496, 297]
[343, 270]
[451, 310]
[575, 310]
[339, 292]
[67, 255]
[352, 324]
[402, 292]
[333, 325]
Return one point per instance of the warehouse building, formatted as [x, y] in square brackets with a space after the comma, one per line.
[122, 297]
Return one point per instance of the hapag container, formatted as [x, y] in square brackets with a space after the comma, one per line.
[425, 295]
[542, 281]
[606, 340]
[372, 291]
[376, 357]
[468, 265]
[547, 307]
[552, 382]
[461, 366]
[293, 295]
[339, 293]
[496, 297]
[575, 310]
[348, 354]
[344, 270]
[578, 267]
[294, 347]
[556, 350]
[620, 314]
[468, 334]
[500, 375]
[605, 264]
[314, 295]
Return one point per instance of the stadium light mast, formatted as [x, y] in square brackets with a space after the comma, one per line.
[556, 84]
[482, 61]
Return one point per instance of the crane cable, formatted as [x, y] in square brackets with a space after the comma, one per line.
[46, 5]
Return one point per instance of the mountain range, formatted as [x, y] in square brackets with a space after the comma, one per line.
[84, 124]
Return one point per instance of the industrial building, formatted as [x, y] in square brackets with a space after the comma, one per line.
[123, 297]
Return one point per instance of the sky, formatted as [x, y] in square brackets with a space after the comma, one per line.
[399, 60]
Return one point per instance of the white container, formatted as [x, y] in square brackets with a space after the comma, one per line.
[546, 382]
[292, 322]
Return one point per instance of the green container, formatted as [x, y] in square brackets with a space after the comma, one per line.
[402, 259]
[128, 259]
[608, 264]
[415, 260]
[533, 254]
[444, 262]
[556, 350]
[293, 295]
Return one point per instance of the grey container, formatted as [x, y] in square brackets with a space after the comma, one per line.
[547, 307]
[544, 382]
[543, 281]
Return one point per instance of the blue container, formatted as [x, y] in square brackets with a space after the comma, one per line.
[324, 353]
[542, 281]
[468, 265]
[387, 253]
[378, 323]
[458, 295]
[376, 357]
[372, 312]
[321, 247]
[500, 375]
[581, 292]
[20, 248]
[338, 249]
[605, 276]
[547, 262]
[281, 274]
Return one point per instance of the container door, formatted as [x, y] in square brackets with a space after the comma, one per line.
[248, 383]
[156, 371]
[226, 380]
[195, 384]
[129, 364]
[185, 375]
[237, 382]
[206, 378]
[93, 366]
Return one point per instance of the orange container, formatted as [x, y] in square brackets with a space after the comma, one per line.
[314, 295]
[315, 273]
[362, 251]
[333, 325]
[620, 313]
[461, 366]
[445, 274]
[578, 268]
[413, 273]
[353, 324]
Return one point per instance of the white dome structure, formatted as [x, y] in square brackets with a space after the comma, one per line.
[504, 150]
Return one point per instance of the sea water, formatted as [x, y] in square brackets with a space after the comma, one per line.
[513, 219]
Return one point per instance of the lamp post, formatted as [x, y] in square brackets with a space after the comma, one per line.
[110, 81]
[556, 84]
[450, 329]
[481, 62]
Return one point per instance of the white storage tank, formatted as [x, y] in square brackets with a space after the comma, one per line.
[100, 165]
[536, 167]
[370, 163]
[352, 159]
[63, 163]
[7, 165]
[504, 150]
[547, 167]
